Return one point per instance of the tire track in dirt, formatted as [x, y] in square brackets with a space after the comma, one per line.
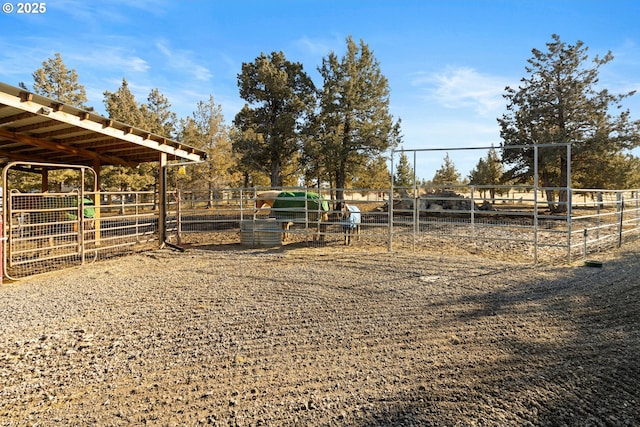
[320, 337]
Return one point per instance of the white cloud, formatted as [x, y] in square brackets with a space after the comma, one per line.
[464, 87]
[110, 58]
[110, 11]
[314, 47]
[182, 60]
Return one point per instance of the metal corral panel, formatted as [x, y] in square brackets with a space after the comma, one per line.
[262, 233]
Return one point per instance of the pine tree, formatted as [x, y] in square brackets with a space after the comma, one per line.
[447, 175]
[157, 115]
[373, 175]
[353, 125]
[280, 96]
[404, 172]
[488, 171]
[54, 80]
[206, 130]
[558, 103]
[122, 106]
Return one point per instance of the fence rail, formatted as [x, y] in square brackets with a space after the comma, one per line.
[48, 231]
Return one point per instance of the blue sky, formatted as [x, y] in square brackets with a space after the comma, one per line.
[447, 61]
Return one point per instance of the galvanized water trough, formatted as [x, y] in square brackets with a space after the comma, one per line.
[260, 233]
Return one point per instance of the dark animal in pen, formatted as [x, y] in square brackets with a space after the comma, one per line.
[351, 220]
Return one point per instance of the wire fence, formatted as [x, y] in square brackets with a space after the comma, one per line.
[49, 231]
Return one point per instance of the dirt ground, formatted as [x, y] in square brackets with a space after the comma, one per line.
[328, 336]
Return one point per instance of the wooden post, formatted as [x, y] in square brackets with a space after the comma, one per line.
[96, 202]
[162, 195]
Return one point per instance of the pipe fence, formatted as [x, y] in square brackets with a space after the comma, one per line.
[48, 231]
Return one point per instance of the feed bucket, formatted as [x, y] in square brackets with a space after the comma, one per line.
[262, 233]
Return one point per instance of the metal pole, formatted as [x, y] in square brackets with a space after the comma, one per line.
[599, 199]
[390, 209]
[473, 211]
[637, 197]
[178, 216]
[535, 204]
[569, 203]
[621, 210]
[416, 205]
[81, 217]
[1, 246]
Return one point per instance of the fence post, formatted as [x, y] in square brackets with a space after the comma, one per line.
[599, 201]
[178, 217]
[390, 220]
[637, 197]
[473, 203]
[535, 204]
[569, 204]
[390, 209]
[1, 249]
[621, 215]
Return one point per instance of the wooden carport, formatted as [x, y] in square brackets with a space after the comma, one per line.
[36, 129]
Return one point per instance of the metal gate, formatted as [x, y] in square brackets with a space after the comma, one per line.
[45, 231]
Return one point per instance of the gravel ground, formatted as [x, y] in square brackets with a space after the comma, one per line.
[322, 336]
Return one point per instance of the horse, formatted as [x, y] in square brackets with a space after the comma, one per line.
[351, 219]
[290, 207]
[266, 198]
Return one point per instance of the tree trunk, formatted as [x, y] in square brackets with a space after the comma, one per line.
[210, 195]
[563, 196]
[340, 182]
[275, 175]
[551, 200]
[549, 194]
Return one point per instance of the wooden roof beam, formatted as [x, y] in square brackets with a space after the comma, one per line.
[35, 126]
[61, 132]
[15, 118]
[65, 149]
[23, 158]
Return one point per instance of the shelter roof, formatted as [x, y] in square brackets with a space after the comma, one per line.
[38, 129]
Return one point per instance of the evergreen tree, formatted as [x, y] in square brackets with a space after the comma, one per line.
[157, 118]
[404, 172]
[206, 130]
[558, 103]
[157, 115]
[374, 174]
[353, 125]
[447, 174]
[54, 80]
[488, 171]
[280, 96]
[122, 106]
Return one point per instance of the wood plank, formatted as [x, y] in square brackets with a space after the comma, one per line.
[29, 140]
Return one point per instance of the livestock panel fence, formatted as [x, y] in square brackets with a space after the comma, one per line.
[49, 231]
[513, 224]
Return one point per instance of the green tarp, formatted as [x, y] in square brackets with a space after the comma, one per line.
[292, 205]
[88, 211]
